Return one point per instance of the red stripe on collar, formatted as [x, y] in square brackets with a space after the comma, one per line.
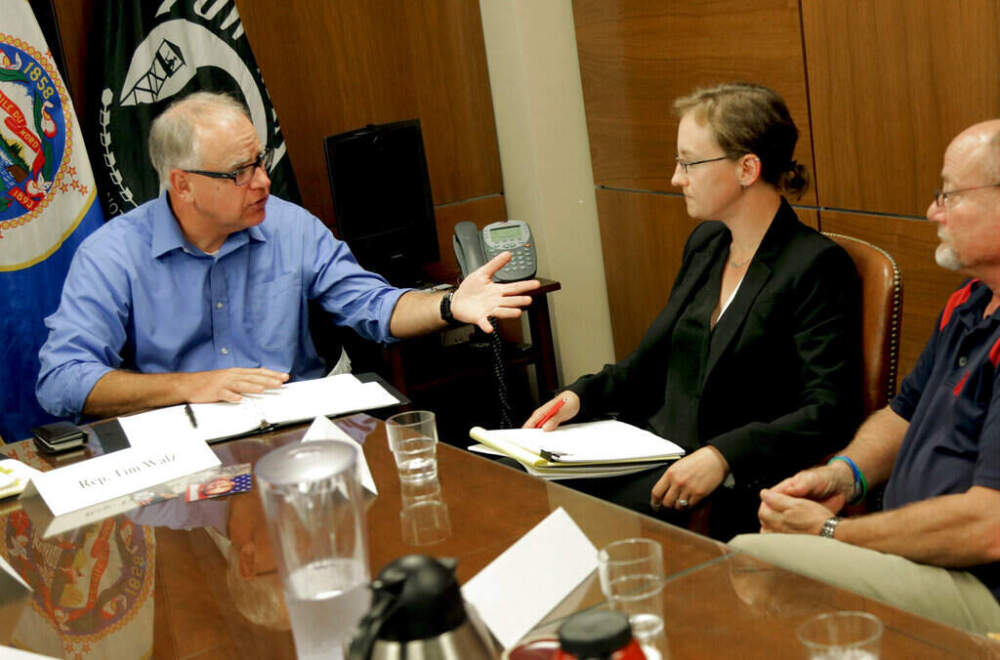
[956, 299]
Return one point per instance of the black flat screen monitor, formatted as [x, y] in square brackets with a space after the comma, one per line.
[382, 199]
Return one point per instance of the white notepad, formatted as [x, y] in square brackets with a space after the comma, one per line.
[591, 443]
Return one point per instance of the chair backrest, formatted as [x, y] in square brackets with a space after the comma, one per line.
[882, 304]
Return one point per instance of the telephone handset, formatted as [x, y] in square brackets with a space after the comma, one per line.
[473, 248]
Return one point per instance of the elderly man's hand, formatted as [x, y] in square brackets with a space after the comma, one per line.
[830, 485]
[791, 515]
[479, 297]
[690, 480]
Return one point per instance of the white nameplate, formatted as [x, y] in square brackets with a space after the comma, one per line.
[124, 472]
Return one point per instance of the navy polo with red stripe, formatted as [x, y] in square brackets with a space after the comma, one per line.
[952, 401]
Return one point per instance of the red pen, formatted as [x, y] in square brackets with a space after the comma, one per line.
[551, 413]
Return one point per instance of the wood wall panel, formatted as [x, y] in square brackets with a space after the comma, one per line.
[890, 83]
[926, 286]
[335, 66]
[76, 21]
[637, 56]
[643, 237]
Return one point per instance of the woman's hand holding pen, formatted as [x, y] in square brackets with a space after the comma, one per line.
[551, 414]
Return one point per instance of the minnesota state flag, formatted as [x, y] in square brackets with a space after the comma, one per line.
[47, 206]
[155, 53]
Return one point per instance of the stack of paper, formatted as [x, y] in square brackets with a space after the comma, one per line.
[593, 449]
[14, 476]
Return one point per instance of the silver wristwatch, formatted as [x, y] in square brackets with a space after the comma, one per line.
[829, 527]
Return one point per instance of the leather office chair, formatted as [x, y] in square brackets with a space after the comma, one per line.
[881, 312]
[882, 305]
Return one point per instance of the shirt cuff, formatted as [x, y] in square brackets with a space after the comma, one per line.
[69, 388]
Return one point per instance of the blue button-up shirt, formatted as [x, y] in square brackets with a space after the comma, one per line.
[139, 296]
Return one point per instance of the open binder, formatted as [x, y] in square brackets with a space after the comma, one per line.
[592, 449]
[256, 413]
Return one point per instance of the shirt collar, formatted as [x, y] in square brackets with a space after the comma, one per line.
[167, 234]
[970, 313]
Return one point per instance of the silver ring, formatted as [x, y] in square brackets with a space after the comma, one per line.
[682, 503]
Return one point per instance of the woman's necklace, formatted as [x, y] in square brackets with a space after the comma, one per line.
[740, 264]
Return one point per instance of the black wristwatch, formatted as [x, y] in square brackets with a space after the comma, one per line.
[446, 315]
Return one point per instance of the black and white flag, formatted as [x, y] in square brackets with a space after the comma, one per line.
[153, 54]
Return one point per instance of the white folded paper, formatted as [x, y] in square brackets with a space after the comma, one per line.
[531, 577]
[323, 429]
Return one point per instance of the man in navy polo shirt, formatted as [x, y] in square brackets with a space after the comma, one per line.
[935, 549]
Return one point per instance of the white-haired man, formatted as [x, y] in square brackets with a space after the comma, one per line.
[935, 549]
[201, 294]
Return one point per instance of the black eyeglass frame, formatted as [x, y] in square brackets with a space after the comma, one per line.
[941, 196]
[685, 164]
[264, 160]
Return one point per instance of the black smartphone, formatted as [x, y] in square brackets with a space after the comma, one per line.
[58, 437]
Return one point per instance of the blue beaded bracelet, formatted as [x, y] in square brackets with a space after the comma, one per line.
[859, 478]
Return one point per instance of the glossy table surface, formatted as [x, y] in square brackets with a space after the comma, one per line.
[159, 582]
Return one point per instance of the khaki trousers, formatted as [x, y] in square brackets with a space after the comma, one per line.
[953, 597]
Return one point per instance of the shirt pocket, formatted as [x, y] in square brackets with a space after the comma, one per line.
[275, 312]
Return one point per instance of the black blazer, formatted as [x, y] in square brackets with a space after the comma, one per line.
[782, 381]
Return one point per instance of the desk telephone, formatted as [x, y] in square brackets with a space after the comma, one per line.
[473, 248]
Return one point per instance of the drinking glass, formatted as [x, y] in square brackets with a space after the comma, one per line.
[424, 518]
[413, 440]
[631, 572]
[425, 522]
[842, 636]
[313, 503]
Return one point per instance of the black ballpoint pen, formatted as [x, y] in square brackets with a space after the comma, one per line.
[190, 414]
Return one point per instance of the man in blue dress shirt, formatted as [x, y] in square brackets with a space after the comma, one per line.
[935, 549]
[201, 294]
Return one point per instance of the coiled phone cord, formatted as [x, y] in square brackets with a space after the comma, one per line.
[500, 371]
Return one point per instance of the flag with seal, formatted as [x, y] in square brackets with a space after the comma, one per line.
[47, 206]
[158, 52]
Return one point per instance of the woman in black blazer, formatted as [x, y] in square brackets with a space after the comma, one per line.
[754, 365]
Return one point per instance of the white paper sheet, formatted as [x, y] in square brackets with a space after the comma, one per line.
[10, 653]
[531, 577]
[323, 429]
[14, 477]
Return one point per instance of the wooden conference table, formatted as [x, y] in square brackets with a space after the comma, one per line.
[153, 583]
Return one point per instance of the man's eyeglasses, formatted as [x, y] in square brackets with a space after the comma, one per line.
[941, 196]
[241, 176]
[686, 164]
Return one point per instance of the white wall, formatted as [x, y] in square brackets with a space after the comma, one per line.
[547, 176]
